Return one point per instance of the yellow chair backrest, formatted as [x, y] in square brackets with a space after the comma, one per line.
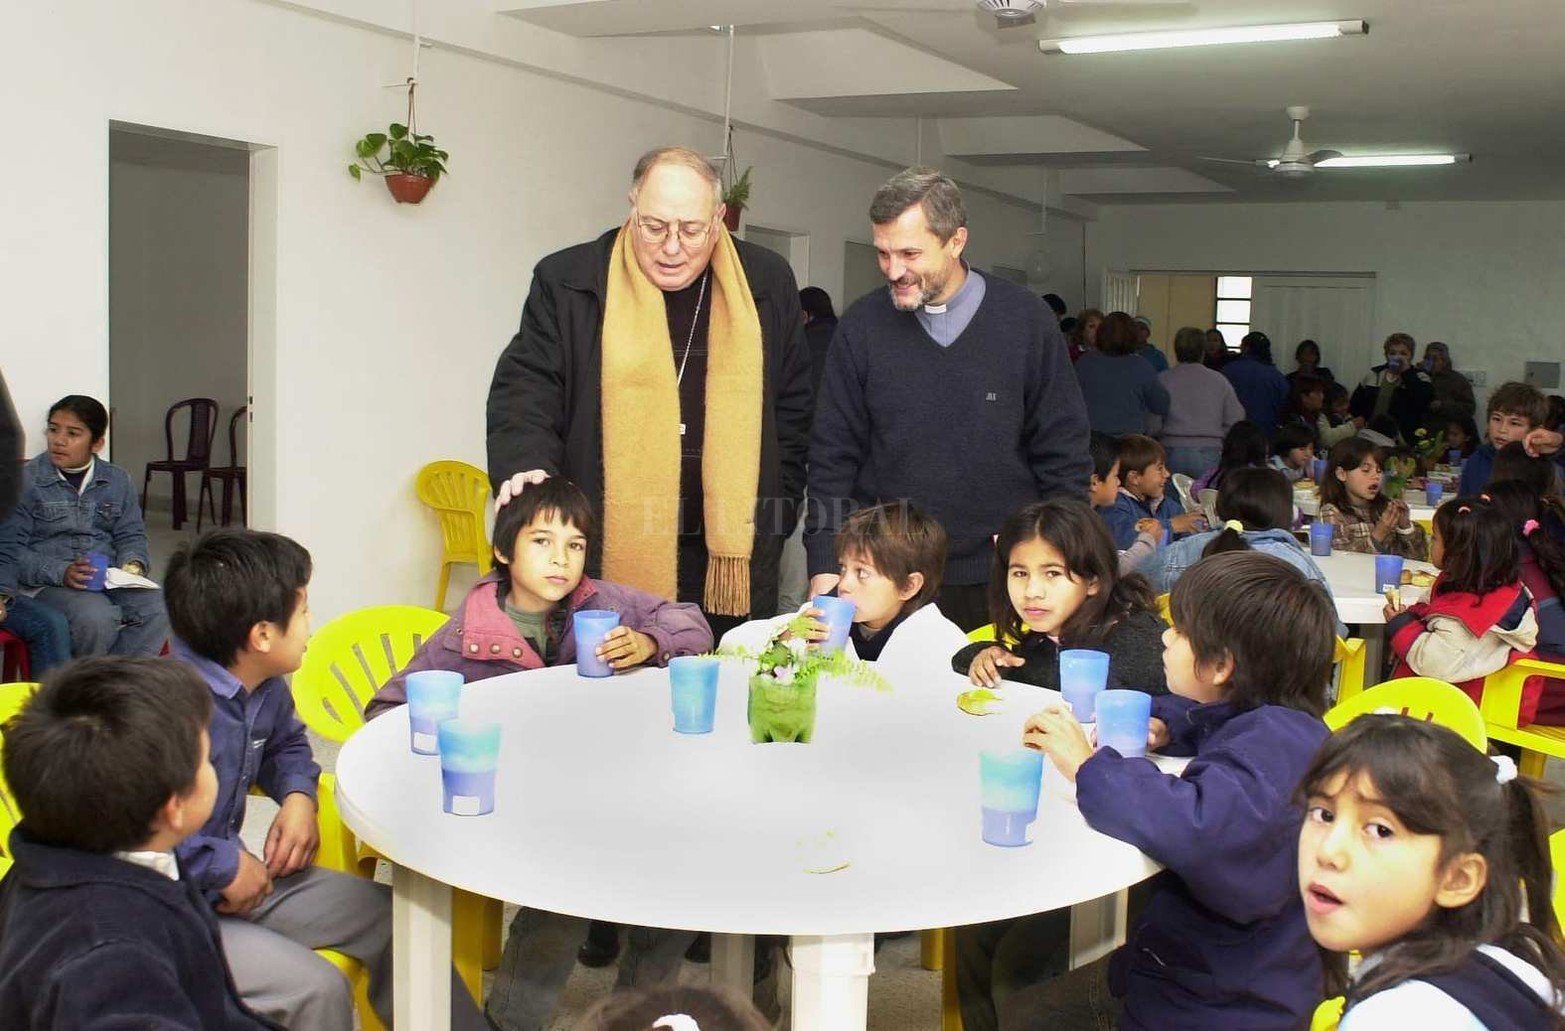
[985, 634]
[1423, 698]
[459, 494]
[1328, 1015]
[1557, 861]
[350, 658]
[12, 698]
[1165, 610]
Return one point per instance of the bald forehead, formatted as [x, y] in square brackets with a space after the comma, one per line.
[674, 192]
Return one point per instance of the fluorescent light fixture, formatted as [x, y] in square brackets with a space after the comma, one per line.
[1393, 160]
[1203, 37]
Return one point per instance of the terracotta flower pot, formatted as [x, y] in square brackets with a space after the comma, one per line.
[781, 712]
[731, 217]
[408, 189]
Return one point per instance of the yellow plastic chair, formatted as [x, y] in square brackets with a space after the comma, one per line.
[1423, 698]
[459, 494]
[1350, 659]
[1501, 707]
[348, 660]
[1328, 1015]
[1557, 862]
[1165, 609]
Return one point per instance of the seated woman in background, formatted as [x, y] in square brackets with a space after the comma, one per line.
[76, 506]
[1244, 447]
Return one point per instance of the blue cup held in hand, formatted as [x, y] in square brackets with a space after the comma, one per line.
[1321, 536]
[1009, 782]
[592, 626]
[837, 614]
[693, 686]
[100, 571]
[1083, 673]
[1124, 718]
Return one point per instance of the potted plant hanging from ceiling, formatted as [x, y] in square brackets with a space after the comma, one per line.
[735, 196]
[407, 159]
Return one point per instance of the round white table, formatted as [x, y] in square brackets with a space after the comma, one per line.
[1308, 502]
[1351, 577]
[603, 811]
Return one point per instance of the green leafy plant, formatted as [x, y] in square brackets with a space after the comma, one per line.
[737, 195]
[398, 152]
[789, 658]
[1430, 448]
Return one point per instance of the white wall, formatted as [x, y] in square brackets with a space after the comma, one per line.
[1484, 277]
[388, 318]
[177, 319]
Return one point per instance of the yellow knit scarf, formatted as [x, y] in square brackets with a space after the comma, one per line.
[641, 486]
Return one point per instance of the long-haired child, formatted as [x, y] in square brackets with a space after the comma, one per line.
[1420, 853]
[1056, 585]
[1244, 447]
[1222, 943]
[1365, 519]
[1479, 614]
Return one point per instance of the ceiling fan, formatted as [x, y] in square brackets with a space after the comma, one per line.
[1008, 14]
[1294, 162]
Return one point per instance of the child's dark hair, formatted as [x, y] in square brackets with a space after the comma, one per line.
[1335, 392]
[1512, 462]
[225, 582]
[1292, 435]
[103, 745]
[1520, 399]
[1244, 447]
[1137, 453]
[1556, 412]
[1260, 499]
[1073, 529]
[554, 498]
[1104, 450]
[638, 1009]
[1278, 626]
[899, 540]
[1348, 455]
[1469, 429]
[1303, 385]
[1436, 783]
[1479, 545]
[88, 409]
[1540, 522]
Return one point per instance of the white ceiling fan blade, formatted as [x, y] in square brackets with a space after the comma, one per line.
[1123, 3]
[1232, 161]
[1322, 155]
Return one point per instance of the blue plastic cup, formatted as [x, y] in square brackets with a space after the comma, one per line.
[1008, 784]
[1454, 456]
[837, 614]
[469, 757]
[693, 679]
[100, 571]
[1388, 572]
[1318, 469]
[1124, 718]
[434, 696]
[1083, 673]
[1321, 536]
[592, 626]
[1433, 492]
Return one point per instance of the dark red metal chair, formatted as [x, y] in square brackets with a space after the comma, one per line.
[198, 450]
[232, 475]
[15, 666]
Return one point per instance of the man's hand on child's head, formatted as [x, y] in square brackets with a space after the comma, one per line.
[1542, 442]
[985, 670]
[624, 648]
[513, 487]
[1055, 733]
[823, 583]
[294, 837]
[249, 887]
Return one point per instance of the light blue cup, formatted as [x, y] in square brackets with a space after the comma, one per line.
[1321, 536]
[434, 695]
[837, 614]
[693, 679]
[1318, 469]
[1433, 492]
[1454, 456]
[1388, 572]
[469, 757]
[1124, 717]
[1008, 784]
[592, 626]
[100, 571]
[1083, 673]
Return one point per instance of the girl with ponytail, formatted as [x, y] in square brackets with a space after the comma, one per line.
[1539, 521]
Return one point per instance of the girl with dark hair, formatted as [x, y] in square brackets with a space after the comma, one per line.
[1366, 520]
[1423, 854]
[1461, 434]
[1244, 447]
[1540, 525]
[1056, 585]
[1478, 618]
[1294, 452]
[1306, 360]
[1512, 462]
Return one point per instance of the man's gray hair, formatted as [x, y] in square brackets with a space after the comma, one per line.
[942, 201]
[681, 156]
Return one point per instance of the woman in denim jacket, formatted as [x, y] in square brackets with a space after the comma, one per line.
[74, 505]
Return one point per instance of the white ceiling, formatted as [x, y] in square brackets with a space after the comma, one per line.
[1484, 77]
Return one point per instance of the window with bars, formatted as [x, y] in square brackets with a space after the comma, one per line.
[1233, 308]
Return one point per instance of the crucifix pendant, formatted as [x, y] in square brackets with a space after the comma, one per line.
[681, 429]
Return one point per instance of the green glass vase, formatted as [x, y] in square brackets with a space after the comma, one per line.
[781, 712]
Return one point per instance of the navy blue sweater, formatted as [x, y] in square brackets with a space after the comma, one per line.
[969, 432]
[90, 941]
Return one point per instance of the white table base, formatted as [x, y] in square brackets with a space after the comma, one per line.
[831, 981]
[1098, 928]
[421, 950]
[733, 963]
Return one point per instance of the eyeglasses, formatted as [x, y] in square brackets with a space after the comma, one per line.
[691, 234]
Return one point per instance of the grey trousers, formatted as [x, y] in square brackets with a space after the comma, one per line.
[539, 955]
[271, 952]
[793, 581]
[127, 621]
[998, 960]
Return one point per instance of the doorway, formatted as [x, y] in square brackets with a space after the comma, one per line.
[179, 309]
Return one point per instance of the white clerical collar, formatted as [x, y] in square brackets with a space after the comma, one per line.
[162, 862]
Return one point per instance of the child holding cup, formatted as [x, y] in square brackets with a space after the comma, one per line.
[1223, 940]
[1365, 519]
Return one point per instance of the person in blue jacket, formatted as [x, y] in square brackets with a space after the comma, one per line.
[1223, 942]
[1143, 494]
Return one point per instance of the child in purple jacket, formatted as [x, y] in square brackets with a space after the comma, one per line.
[1223, 942]
[519, 618]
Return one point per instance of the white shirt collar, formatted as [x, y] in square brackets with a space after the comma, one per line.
[162, 862]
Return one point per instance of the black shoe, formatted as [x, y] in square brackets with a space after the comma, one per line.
[601, 947]
[700, 950]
